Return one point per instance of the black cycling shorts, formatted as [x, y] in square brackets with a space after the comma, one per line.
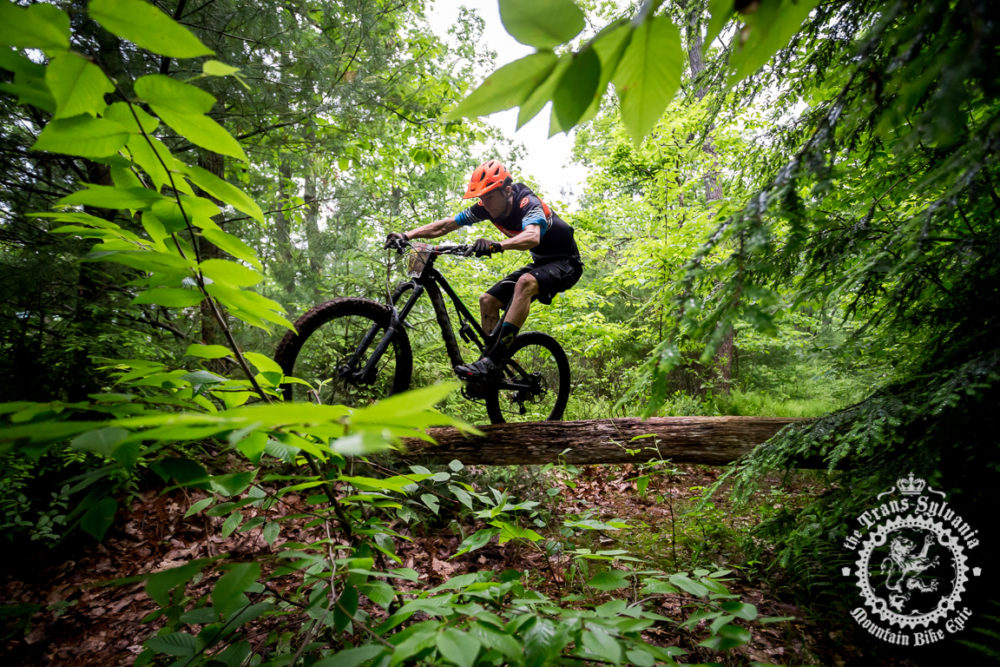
[553, 276]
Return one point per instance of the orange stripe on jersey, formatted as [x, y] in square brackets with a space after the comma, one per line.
[509, 233]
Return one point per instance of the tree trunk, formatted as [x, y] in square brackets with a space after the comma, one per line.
[284, 269]
[210, 330]
[708, 440]
[314, 240]
[725, 357]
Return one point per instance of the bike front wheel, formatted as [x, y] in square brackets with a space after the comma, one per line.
[535, 382]
[333, 352]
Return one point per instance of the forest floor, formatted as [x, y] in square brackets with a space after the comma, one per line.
[79, 621]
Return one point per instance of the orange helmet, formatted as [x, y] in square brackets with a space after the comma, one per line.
[487, 176]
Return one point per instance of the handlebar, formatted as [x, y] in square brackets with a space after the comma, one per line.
[461, 250]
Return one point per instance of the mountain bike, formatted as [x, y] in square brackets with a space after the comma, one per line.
[355, 351]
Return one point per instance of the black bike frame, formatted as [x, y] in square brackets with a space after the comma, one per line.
[431, 281]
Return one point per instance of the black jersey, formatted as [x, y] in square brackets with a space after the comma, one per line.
[556, 236]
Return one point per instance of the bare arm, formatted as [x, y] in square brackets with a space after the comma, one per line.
[526, 240]
[433, 229]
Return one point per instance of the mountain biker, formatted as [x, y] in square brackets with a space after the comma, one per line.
[529, 224]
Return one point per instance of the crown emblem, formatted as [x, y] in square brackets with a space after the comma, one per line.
[910, 486]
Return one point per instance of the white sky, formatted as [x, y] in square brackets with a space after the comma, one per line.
[547, 160]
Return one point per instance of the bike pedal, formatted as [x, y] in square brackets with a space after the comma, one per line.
[474, 392]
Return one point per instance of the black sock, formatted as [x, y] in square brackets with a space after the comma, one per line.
[506, 336]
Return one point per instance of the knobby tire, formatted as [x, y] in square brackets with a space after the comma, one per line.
[534, 342]
[322, 319]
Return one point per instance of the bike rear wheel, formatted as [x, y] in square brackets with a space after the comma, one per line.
[333, 347]
[535, 383]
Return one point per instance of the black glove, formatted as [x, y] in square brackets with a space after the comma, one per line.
[484, 247]
[395, 239]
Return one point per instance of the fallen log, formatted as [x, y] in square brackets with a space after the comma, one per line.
[707, 440]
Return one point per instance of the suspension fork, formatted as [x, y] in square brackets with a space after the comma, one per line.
[396, 324]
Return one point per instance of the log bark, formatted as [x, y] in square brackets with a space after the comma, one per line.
[707, 440]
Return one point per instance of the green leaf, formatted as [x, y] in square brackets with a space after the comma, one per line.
[40, 26]
[125, 115]
[249, 306]
[145, 25]
[99, 517]
[609, 45]
[657, 587]
[768, 30]
[649, 75]
[720, 11]
[577, 88]
[351, 657]
[458, 583]
[542, 23]
[458, 647]
[199, 506]
[105, 196]
[232, 484]
[170, 297]
[689, 585]
[224, 191]
[229, 273]
[151, 154]
[179, 644]
[200, 616]
[228, 594]
[176, 216]
[729, 637]
[431, 501]
[507, 87]
[253, 446]
[542, 641]
[235, 655]
[744, 610]
[202, 131]
[22, 67]
[399, 406]
[640, 658]
[543, 93]
[78, 86]
[263, 362]
[231, 523]
[179, 469]
[378, 592]
[207, 351]
[493, 638]
[412, 641]
[33, 94]
[355, 444]
[346, 607]
[510, 531]
[82, 136]
[183, 106]
[477, 540]
[216, 68]
[461, 494]
[270, 532]
[609, 580]
[602, 645]
[102, 441]
[159, 584]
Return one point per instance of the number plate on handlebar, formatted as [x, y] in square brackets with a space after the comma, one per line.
[417, 259]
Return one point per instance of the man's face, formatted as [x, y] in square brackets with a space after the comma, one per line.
[496, 201]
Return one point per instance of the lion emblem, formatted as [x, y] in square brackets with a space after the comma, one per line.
[904, 567]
